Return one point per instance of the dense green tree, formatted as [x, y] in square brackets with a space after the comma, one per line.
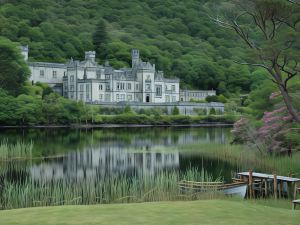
[100, 37]
[13, 69]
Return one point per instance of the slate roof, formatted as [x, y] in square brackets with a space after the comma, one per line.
[45, 64]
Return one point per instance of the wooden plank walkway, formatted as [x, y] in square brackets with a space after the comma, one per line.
[270, 176]
[278, 185]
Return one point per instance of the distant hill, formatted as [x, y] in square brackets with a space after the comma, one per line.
[176, 35]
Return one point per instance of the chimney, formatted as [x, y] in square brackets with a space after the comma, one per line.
[24, 51]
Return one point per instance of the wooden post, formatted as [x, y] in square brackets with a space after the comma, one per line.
[281, 193]
[250, 183]
[295, 191]
[275, 186]
[266, 188]
[260, 187]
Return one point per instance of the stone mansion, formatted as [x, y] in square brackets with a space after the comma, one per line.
[90, 82]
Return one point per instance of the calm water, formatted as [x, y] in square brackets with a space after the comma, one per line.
[81, 153]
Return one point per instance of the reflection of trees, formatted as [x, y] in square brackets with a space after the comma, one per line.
[59, 141]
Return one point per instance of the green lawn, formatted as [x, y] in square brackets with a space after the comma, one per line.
[196, 212]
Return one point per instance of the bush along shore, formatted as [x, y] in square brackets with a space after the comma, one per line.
[139, 120]
[54, 110]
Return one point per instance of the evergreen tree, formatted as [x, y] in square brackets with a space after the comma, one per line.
[13, 69]
[100, 37]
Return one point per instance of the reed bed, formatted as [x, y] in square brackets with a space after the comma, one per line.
[162, 186]
[249, 159]
[19, 150]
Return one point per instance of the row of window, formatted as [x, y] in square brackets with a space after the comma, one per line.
[121, 97]
[201, 94]
[121, 86]
[54, 74]
[106, 99]
[169, 98]
[173, 88]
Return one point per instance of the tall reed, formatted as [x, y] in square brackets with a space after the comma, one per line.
[19, 150]
[162, 186]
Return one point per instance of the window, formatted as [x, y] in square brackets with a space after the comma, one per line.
[42, 73]
[72, 78]
[167, 98]
[122, 97]
[101, 97]
[173, 98]
[166, 87]
[148, 87]
[54, 74]
[71, 87]
[107, 77]
[81, 87]
[122, 86]
[87, 88]
[98, 74]
[107, 87]
[129, 86]
[100, 87]
[137, 87]
[87, 96]
[129, 97]
[107, 97]
[158, 90]
[118, 97]
[173, 88]
[81, 97]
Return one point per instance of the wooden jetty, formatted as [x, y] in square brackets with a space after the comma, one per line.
[266, 184]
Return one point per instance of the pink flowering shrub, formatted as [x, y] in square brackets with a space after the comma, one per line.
[275, 127]
[271, 136]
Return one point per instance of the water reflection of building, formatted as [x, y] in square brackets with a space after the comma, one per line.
[105, 162]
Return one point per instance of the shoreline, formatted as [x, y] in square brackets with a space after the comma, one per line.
[80, 126]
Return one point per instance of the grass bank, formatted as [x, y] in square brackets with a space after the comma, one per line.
[207, 212]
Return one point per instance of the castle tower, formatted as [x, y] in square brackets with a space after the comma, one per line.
[135, 56]
[91, 55]
[24, 51]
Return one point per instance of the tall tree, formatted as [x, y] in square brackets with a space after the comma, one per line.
[13, 69]
[270, 29]
[100, 37]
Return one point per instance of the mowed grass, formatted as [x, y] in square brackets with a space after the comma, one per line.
[204, 212]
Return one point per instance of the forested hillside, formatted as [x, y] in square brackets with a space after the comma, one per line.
[178, 36]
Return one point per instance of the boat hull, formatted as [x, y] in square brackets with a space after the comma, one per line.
[240, 190]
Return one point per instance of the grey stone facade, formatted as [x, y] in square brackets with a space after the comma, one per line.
[93, 83]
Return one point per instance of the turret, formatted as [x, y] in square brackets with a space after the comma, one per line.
[135, 56]
[91, 55]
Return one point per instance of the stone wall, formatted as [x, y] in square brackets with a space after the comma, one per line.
[185, 108]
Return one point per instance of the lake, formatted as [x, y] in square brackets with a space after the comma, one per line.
[97, 152]
[91, 155]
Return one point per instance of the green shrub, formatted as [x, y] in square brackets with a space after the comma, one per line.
[175, 110]
[212, 111]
